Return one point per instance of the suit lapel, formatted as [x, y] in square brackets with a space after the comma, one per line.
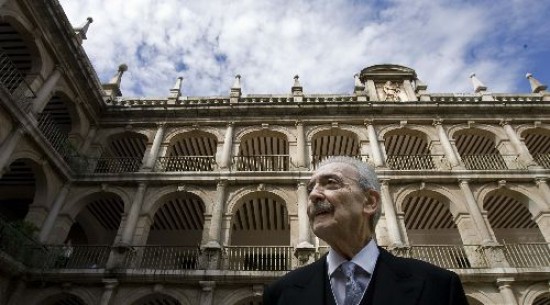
[310, 290]
[394, 285]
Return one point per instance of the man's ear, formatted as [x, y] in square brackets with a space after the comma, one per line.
[372, 202]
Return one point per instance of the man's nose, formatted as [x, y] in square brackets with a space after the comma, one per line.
[316, 194]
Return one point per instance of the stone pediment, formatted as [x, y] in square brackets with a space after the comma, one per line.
[387, 72]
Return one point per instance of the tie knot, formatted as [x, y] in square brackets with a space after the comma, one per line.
[348, 268]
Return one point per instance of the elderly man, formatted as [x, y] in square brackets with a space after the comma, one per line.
[344, 206]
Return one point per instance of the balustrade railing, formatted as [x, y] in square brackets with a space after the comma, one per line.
[543, 160]
[162, 258]
[445, 256]
[416, 162]
[19, 245]
[492, 162]
[528, 255]
[316, 159]
[185, 164]
[259, 258]
[13, 80]
[76, 257]
[114, 165]
[263, 163]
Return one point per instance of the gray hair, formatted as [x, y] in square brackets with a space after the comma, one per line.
[367, 178]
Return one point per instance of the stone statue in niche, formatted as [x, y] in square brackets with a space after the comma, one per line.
[391, 90]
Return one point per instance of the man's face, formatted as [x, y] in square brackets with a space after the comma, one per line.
[338, 206]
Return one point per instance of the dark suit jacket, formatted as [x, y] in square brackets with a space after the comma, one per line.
[397, 281]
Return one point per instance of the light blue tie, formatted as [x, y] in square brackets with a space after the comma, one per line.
[354, 288]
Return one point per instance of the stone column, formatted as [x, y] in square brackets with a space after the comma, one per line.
[522, 151]
[214, 232]
[390, 215]
[52, 215]
[475, 212]
[133, 215]
[43, 94]
[544, 189]
[106, 296]
[301, 157]
[207, 292]
[153, 153]
[226, 229]
[225, 159]
[506, 291]
[447, 147]
[89, 138]
[304, 238]
[375, 145]
[8, 147]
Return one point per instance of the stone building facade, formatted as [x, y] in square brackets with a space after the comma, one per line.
[202, 200]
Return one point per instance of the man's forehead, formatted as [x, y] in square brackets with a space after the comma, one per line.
[335, 168]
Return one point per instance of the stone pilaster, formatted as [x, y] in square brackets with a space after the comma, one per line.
[52, 215]
[133, 215]
[44, 93]
[301, 156]
[446, 144]
[475, 212]
[225, 158]
[151, 158]
[506, 291]
[377, 155]
[390, 215]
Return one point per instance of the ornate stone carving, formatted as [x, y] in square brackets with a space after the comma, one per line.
[391, 91]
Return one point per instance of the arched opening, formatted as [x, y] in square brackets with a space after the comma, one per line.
[87, 244]
[543, 299]
[175, 235]
[407, 150]
[157, 299]
[478, 150]
[57, 122]
[263, 151]
[123, 153]
[334, 142]
[18, 59]
[433, 235]
[63, 299]
[260, 234]
[538, 142]
[513, 225]
[192, 151]
[17, 190]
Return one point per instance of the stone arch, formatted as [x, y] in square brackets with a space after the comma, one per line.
[44, 296]
[103, 137]
[480, 297]
[359, 132]
[153, 199]
[25, 29]
[239, 295]
[334, 141]
[32, 187]
[510, 214]
[62, 107]
[522, 129]
[534, 293]
[236, 196]
[98, 220]
[246, 132]
[178, 214]
[536, 203]
[426, 132]
[440, 192]
[133, 296]
[537, 141]
[260, 218]
[497, 133]
[77, 198]
[177, 131]
[429, 218]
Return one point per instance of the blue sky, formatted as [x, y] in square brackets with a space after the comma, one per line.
[324, 41]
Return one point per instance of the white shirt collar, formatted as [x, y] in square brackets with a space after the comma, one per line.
[366, 258]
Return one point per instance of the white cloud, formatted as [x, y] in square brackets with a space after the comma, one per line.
[325, 42]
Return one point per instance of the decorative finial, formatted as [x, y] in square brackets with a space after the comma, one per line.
[118, 76]
[83, 29]
[236, 90]
[358, 86]
[297, 87]
[176, 90]
[536, 86]
[478, 85]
